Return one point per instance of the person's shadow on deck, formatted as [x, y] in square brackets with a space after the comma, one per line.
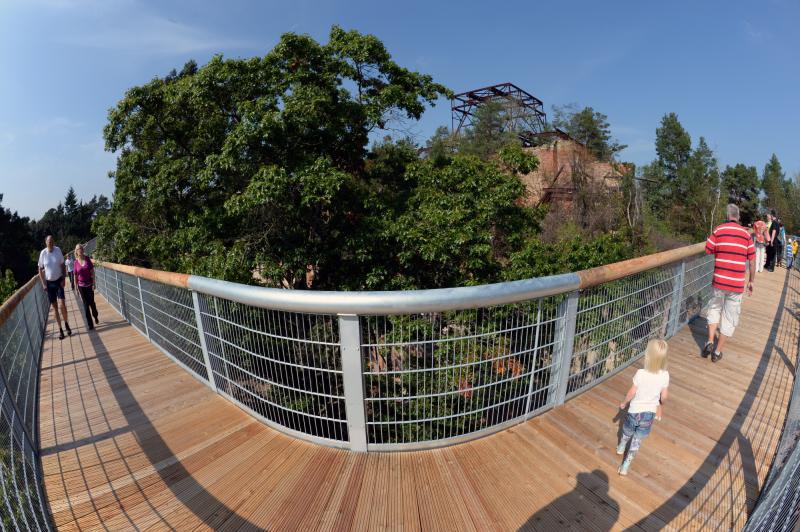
[591, 490]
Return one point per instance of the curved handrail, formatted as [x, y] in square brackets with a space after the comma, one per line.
[395, 302]
[397, 370]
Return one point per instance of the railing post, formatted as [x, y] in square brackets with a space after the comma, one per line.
[352, 379]
[677, 297]
[120, 298]
[141, 301]
[201, 332]
[565, 332]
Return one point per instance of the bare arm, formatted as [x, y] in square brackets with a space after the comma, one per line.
[41, 276]
[628, 397]
[752, 275]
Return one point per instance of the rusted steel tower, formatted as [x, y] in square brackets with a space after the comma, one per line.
[523, 112]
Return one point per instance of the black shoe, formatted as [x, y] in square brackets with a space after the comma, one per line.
[96, 321]
[91, 327]
[60, 334]
[707, 350]
[69, 331]
[716, 356]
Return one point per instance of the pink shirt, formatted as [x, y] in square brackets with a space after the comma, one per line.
[83, 273]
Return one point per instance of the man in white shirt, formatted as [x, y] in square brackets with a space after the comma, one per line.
[52, 272]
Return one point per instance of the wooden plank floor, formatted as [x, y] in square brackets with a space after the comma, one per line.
[131, 441]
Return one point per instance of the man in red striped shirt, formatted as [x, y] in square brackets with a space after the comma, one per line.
[733, 248]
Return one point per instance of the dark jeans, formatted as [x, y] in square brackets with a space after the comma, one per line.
[770, 265]
[87, 296]
[71, 280]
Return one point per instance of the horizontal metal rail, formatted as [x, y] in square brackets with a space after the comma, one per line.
[401, 370]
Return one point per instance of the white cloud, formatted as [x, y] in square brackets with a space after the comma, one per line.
[152, 34]
[755, 34]
[126, 26]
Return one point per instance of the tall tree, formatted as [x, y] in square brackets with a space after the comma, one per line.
[740, 184]
[258, 165]
[16, 245]
[673, 145]
[773, 183]
[590, 128]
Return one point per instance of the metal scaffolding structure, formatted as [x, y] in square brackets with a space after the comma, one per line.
[523, 112]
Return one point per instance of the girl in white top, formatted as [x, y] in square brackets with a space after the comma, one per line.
[648, 393]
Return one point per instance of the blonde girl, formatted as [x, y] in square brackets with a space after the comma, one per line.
[648, 393]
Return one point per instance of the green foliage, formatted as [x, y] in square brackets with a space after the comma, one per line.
[741, 184]
[518, 160]
[773, 182]
[673, 145]
[16, 245]
[538, 259]
[7, 285]
[461, 220]
[263, 159]
[70, 222]
[488, 133]
[590, 128]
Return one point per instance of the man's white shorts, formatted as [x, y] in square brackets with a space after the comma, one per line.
[723, 310]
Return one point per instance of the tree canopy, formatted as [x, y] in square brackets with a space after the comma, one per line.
[589, 127]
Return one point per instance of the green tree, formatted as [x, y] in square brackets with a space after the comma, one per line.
[698, 184]
[740, 184]
[16, 245]
[673, 145]
[773, 183]
[257, 167]
[488, 133]
[590, 128]
[7, 285]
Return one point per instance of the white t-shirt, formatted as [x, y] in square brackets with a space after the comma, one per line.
[648, 390]
[69, 262]
[51, 261]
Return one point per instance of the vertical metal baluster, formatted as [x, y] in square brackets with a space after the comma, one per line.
[677, 296]
[350, 338]
[201, 333]
[565, 331]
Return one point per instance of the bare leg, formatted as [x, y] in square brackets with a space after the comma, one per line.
[721, 342]
[58, 316]
[63, 305]
[712, 331]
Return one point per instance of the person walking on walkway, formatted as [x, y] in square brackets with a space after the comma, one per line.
[781, 243]
[794, 248]
[772, 241]
[760, 233]
[53, 272]
[84, 276]
[732, 249]
[649, 391]
[70, 262]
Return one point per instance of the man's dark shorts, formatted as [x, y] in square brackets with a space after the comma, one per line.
[55, 290]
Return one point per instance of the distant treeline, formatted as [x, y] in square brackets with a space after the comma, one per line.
[21, 239]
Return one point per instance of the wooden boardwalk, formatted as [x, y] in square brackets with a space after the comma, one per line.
[131, 441]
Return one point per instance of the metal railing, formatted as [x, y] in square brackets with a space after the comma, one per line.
[415, 369]
[22, 325]
[778, 507]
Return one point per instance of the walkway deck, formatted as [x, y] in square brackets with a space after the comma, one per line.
[130, 440]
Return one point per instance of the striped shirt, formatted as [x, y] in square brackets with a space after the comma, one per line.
[732, 247]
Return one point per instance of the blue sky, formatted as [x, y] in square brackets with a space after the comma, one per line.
[729, 69]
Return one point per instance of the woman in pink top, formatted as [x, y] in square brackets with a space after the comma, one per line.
[84, 277]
